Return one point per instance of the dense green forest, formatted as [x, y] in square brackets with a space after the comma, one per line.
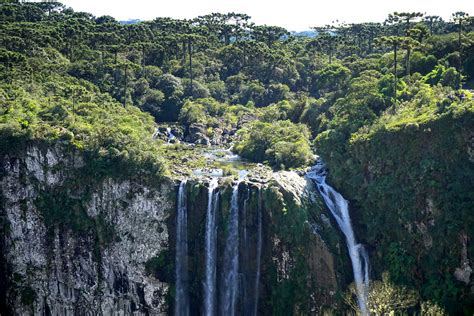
[388, 106]
[64, 74]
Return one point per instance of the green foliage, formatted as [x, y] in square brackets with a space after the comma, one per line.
[282, 143]
[61, 108]
[313, 115]
[192, 112]
[290, 225]
[60, 210]
[445, 76]
[28, 296]
[161, 266]
[422, 63]
[410, 168]
[431, 309]
[385, 297]
[333, 77]
[283, 110]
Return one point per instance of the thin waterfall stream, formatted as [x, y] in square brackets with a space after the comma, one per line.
[230, 280]
[182, 294]
[211, 249]
[339, 208]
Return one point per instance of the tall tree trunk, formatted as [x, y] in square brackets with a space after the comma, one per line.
[408, 61]
[190, 64]
[395, 72]
[184, 49]
[460, 53]
[125, 86]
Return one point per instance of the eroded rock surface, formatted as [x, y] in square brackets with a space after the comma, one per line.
[91, 263]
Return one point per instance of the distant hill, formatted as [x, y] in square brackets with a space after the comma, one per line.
[305, 33]
[131, 21]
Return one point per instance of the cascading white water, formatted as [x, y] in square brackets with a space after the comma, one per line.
[230, 277]
[244, 278]
[210, 250]
[339, 208]
[182, 295]
[170, 135]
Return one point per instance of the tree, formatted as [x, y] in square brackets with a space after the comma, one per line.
[407, 18]
[392, 24]
[327, 39]
[385, 298]
[268, 34]
[432, 21]
[394, 42]
[368, 32]
[460, 18]
[74, 31]
[127, 66]
[224, 27]
[281, 143]
[408, 43]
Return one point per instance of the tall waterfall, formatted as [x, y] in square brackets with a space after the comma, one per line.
[182, 295]
[210, 249]
[339, 208]
[245, 258]
[230, 279]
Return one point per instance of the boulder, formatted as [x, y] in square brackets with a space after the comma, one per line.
[197, 134]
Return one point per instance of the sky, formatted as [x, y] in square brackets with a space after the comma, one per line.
[295, 15]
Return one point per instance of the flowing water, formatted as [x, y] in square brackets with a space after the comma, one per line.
[339, 208]
[211, 250]
[170, 135]
[244, 278]
[182, 294]
[230, 279]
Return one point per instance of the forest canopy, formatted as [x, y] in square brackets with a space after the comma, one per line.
[65, 74]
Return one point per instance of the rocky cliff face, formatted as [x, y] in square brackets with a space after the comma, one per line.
[79, 246]
[73, 242]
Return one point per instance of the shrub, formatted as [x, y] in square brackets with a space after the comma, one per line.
[282, 144]
[445, 76]
[192, 112]
[199, 90]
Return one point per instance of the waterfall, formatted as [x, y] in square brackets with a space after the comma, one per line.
[339, 208]
[182, 298]
[210, 250]
[170, 135]
[231, 258]
[245, 258]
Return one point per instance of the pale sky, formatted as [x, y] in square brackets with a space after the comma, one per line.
[295, 15]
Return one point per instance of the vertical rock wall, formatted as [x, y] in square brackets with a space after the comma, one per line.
[74, 244]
